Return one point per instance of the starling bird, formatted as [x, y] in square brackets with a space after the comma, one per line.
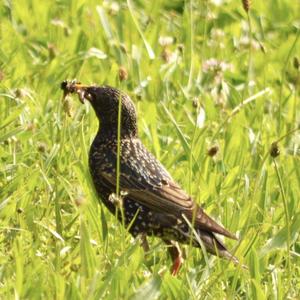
[150, 202]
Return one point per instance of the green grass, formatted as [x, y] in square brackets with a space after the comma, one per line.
[56, 241]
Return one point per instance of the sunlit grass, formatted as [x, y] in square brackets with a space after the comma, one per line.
[197, 91]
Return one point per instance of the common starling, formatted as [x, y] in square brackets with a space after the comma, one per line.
[150, 202]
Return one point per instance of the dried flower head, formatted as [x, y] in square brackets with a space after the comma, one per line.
[52, 51]
[245, 42]
[116, 200]
[212, 151]
[1, 75]
[31, 126]
[214, 65]
[166, 55]
[123, 48]
[114, 8]
[217, 33]
[41, 147]
[296, 63]
[195, 102]
[20, 210]
[123, 73]
[60, 23]
[165, 41]
[80, 200]
[180, 48]
[19, 93]
[274, 151]
[246, 5]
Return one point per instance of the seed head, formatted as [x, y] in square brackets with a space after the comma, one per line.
[195, 102]
[246, 5]
[1, 75]
[19, 210]
[80, 200]
[212, 151]
[123, 73]
[274, 151]
[116, 200]
[31, 126]
[296, 63]
[166, 55]
[42, 147]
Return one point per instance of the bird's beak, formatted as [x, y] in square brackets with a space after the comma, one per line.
[80, 89]
[71, 87]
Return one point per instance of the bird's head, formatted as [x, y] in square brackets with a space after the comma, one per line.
[105, 101]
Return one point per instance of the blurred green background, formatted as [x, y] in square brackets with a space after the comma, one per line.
[214, 88]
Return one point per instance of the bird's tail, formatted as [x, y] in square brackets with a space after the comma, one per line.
[214, 246]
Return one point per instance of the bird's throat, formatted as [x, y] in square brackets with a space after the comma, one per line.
[110, 132]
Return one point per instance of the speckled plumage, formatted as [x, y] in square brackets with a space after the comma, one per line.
[153, 203]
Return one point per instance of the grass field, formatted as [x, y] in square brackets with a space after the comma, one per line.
[204, 76]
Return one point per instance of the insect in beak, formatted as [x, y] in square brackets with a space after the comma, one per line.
[71, 87]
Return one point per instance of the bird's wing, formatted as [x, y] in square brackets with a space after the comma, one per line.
[147, 182]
